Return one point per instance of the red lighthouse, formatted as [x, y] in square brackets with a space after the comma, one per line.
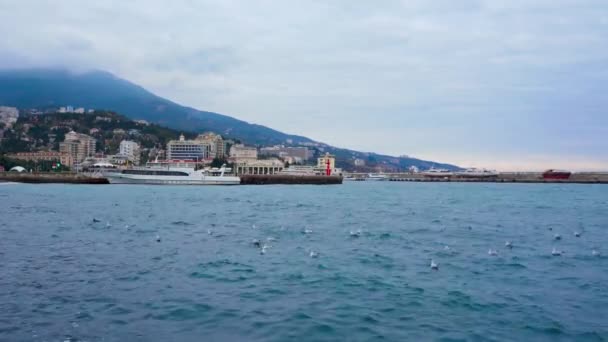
[328, 168]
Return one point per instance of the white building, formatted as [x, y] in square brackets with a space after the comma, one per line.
[302, 153]
[258, 167]
[242, 152]
[131, 150]
[183, 149]
[8, 116]
[79, 110]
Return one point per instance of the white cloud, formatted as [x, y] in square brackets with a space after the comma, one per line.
[414, 77]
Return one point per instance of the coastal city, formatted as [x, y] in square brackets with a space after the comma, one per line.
[272, 171]
[108, 146]
[139, 145]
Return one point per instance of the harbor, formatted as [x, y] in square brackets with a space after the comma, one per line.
[263, 179]
[499, 177]
[51, 177]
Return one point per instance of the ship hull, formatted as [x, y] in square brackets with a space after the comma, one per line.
[556, 174]
[136, 179]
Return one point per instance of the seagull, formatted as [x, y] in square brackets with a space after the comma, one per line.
[557, 237]
[434, 265]
[263, 250]
[256, 243]
[492, 252]
[595, 252]
[306, 231]
[96, 220]
[313, 254]
[508, 244]
[209, 232]
[108, 224]
[157, 238]
[446, 247]
[577, 234]
[555, 252]
[355, 233]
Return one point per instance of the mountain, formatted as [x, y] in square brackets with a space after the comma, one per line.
[52, 88]
[39, 88]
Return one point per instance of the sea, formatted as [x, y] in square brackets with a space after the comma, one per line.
[344, 262]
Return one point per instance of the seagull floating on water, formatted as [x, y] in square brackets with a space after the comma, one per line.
[209, 232]
[595, 252]
[557, 237]
[577, 234]
[263, 250]
[446, 247]
[256, 243]
[555, 252]
[157, 238]
[96, 220]
[306, 231]
[314, 254]
[508, 244]
[355, 233]
[492, 252]
[108, 224]
[434, 265]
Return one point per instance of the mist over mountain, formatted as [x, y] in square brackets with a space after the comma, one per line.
[51, 88]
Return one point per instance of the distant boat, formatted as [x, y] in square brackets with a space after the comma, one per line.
[556, 174]
[376, 177]
[476, 173]
[434, 172]
[172, 176]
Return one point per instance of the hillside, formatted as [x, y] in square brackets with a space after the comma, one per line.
[52, 88]
[44, 88]
[44, 132]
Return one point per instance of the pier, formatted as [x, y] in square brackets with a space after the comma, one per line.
[289, 179]
[503, 177]
[51, 177]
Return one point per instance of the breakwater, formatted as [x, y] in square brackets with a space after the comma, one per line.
[289, 179]
[503, 177]
[51, 177]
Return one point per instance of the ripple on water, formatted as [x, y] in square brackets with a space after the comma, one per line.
[60, 268]
[192, 312]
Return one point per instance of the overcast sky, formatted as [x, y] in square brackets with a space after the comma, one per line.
[507, 84]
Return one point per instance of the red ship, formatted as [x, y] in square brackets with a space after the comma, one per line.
[556, 174]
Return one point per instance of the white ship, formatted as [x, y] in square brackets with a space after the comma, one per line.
[433, 172]
[476, 173]
[172, 176]
[376, 177]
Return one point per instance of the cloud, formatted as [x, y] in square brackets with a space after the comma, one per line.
[456, 79]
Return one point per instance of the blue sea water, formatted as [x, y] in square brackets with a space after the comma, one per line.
[66, 277]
